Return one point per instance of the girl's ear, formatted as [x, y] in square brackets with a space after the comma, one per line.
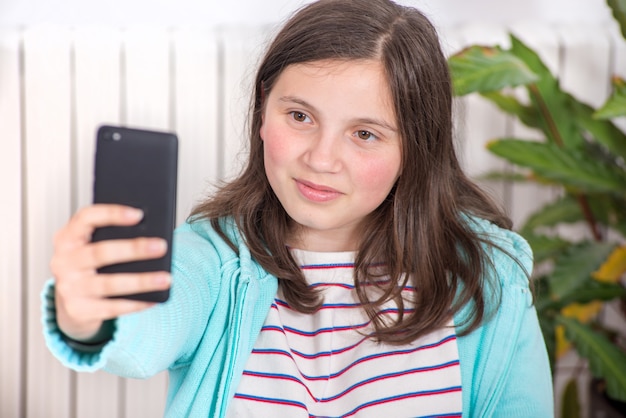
[262, 128]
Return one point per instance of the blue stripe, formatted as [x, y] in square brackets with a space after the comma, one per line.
[362, 359]
[271, 400]
[323, 266]
[387, 375]
[351, 286]
[327, 329]
[402, 396]
[281, 302]
[323, 330]
[270, 351]
[352, 387]
[349, 347]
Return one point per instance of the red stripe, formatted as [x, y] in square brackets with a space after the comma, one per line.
[283, 304]
[362, 359]
[280, 328]
[399, 398]
[327, 266]
[358, 384]
[351, 286]
[271, 401]
[335, 266]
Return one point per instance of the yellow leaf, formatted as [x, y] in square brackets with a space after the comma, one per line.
[613, 268]
[583, 313]
[562, 345]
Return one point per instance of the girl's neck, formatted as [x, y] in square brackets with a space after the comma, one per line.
[328, 241]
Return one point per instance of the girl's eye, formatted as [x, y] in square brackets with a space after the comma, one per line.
[299, 116]
[365, 135]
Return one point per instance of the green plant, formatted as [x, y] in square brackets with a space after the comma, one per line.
[582, 154]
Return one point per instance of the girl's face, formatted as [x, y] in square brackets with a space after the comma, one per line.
[332, 149]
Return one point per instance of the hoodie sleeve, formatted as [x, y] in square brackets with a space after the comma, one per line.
[167, 334]
[504, 363]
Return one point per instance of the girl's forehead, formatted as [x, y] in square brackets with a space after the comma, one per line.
[344, 76]
[329, 66]
[368, 73]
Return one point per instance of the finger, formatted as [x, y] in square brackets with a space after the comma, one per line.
[120, 284]
[113, 308]
[94, 310]
[81, 226]
[104, 253]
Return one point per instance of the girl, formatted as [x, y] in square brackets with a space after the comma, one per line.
[352, 269]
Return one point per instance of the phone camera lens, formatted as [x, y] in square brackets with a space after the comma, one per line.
[116, 136]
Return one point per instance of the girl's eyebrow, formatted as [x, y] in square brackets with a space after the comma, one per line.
[366, 121]
[379, 122]
[297, 100]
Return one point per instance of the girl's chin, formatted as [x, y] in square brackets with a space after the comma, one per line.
[322, 237]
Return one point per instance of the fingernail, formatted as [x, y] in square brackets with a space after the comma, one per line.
[162, 278]
[133, 214]
[157, 245]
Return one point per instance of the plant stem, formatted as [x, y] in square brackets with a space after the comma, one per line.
[556, 135]
[552, 128]
[588, 214]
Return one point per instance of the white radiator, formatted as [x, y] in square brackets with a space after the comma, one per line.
[58, 83]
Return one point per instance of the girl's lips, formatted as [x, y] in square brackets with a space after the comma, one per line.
[315, 192]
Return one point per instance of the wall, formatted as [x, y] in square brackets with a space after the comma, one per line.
[216, 12]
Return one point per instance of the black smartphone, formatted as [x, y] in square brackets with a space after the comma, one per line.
[138, 168]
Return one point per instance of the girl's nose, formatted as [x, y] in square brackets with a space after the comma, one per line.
[324, 152]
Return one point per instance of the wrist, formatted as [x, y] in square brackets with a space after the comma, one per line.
[95, 342]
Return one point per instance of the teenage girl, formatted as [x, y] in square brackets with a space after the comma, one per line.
[352, 269]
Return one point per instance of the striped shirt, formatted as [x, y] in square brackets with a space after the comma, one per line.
[323, 364]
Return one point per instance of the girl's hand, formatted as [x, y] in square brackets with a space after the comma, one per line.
[81, 294]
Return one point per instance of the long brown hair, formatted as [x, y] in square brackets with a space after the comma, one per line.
[419, 233]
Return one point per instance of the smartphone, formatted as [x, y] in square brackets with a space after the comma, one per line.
[138, 168]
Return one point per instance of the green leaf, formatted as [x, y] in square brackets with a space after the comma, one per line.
[603, 131]
[568, 167]
[549, 100]
[528, 115]
[619, 12]
[589, 291]
[545, 247]
[608, 210]
[574, 267]
[570, 406]
[484, 69]
[606, 360]
[503, 176]
[564, 210]
[616, 104]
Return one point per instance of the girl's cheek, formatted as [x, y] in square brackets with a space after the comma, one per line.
[380, 176]
[277, 140]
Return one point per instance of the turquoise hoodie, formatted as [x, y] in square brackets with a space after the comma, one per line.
[219, 300]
